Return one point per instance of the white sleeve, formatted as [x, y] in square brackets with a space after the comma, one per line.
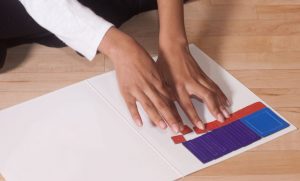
[73, 23]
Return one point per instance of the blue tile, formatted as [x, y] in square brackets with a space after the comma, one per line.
[201, 146]
[264, 122]
[199, 151]
[226, 139]
[214, 146]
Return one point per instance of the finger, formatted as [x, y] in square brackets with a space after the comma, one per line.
[223, 97]
[225, 111]
[149, 108]
[178, 117]
[215, 88]
[211, 101]
[189, 109]
[163, 106]
[131, 104]
[223, 100]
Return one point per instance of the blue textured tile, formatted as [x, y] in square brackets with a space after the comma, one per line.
[199, 151]
[241, 128]
[264, 122]
[242, 133]
[215, 145]
[226, 139]
[221, 141]
[201, 146]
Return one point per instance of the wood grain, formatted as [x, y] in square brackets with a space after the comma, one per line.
[258, 41]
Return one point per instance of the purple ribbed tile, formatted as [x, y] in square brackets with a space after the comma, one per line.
[226, 139]
[242, 133]
[221, 141]
[199, 151]
[214, 146]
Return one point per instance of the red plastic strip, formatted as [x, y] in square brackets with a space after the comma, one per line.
[186, 130]
[178, 139]
[248, 110]
[234, 117]
[213, 125]
[198, 131]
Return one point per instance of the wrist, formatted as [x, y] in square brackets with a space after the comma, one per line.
[169, 46]
[172, 41]
[115, 42]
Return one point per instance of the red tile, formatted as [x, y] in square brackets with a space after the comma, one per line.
[178, 139]
[198, 131]
[186, 130]
[213, 125]
[248, 110]
[236, 116]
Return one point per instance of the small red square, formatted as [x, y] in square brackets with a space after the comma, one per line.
[186, 130]
[213, 125]
[178, 139]
[198, 131]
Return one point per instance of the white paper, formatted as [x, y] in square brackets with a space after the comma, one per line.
[85, 132]
[72, 135]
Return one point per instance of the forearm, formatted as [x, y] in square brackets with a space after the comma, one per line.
[76, 25]
[171, 21]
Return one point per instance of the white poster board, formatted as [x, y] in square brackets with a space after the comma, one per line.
[85, 132]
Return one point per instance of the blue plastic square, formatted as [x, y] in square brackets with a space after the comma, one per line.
[264, 122]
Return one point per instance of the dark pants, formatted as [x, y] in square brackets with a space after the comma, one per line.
[17, 27]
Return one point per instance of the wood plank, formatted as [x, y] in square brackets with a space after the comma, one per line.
[257, 163]
[241, 28]
[254, 61]
[278, 12]
[204, 11]
[247, 44]
[268, 78]
[255, 2]
[279, 97]
[12, 98]
[234, 44]
[41, 81]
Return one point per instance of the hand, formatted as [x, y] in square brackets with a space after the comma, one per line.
[186, 79]
[140, 81]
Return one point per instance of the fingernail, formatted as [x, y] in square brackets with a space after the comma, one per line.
[181, 127]
[162, 125]
[139, 123]
[225, 112]
[228, 102]
[220, 117]
[200, 125]
[175, 128]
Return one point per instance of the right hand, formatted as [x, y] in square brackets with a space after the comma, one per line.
[140, 81]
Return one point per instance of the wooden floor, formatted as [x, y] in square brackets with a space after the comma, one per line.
[258, 41]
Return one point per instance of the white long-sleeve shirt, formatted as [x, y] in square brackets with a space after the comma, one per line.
[74, 24]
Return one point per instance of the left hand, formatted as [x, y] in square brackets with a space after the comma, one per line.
[185, 79]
